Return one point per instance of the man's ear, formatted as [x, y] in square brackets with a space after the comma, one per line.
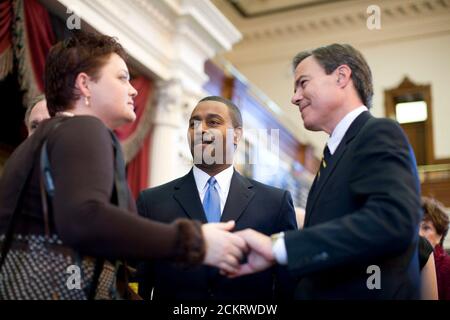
[344, 75]
[82, 84]
[237, 135]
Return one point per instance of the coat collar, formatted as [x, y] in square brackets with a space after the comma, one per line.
[317, 186]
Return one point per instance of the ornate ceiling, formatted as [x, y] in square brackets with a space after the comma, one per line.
[257, 8]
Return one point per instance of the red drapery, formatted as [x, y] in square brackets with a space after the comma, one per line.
[138, 167]
[6, 17]
[5, 25]
[33, 38]
[40, 37]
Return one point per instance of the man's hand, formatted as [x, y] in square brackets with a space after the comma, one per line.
[260, 256]
[224, 250]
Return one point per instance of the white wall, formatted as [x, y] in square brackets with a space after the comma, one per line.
[424, 61]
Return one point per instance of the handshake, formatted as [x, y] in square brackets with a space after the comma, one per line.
[226, 250]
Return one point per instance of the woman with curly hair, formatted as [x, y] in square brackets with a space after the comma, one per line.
[434, 228]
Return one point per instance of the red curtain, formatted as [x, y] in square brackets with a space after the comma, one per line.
[40, 37]
[5, 25]
[138, 167]
[6, 17]
[34, 39]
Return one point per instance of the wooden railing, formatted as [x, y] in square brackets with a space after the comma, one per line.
[435, 182]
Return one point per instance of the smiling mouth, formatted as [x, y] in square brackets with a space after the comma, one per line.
[203, 142]
[303, 107]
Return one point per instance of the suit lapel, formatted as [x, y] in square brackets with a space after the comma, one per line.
[187, 196]
[318, 185]
[238, 198]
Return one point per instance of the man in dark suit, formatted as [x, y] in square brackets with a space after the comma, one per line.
[211, 192]
[360, 234]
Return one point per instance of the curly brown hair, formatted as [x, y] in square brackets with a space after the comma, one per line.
[83, 52]
[434, 212]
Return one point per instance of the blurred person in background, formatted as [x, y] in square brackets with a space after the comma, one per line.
[36, 113]
[434, 228]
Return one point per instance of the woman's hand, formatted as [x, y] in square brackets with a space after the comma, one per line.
[224, 250]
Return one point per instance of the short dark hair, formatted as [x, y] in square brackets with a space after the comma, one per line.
[30, 107]
[332, 56]
[434, 212]
[235, 113]
[83, 52]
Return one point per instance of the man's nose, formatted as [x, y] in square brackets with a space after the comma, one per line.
[297, 97]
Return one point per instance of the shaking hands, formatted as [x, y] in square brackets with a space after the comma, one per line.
[226, 250]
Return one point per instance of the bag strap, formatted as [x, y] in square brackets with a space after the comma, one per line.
[12, 223]
[48, 188]
[13, 219]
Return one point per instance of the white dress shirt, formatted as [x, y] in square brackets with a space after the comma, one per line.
[279, 247]
[342, 127]
[223, 183]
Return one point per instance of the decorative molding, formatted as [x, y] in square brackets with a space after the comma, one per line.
[282, 35]
[213, 22]
[132, 145]
[259, 8]
[166, 38]
[168, 103]
[391, 12]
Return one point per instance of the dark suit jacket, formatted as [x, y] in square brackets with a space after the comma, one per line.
[252, 205]
[364, 210]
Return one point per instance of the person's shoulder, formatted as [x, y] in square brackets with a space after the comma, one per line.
[161, 189]
[375, 122]
[80, 127]
[86, 134]
[378, 130]
[85, 122]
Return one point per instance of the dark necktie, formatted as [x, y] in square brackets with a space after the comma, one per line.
[325, 161]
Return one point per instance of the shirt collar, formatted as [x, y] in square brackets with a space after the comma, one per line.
[223, 179]
[342, 127]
